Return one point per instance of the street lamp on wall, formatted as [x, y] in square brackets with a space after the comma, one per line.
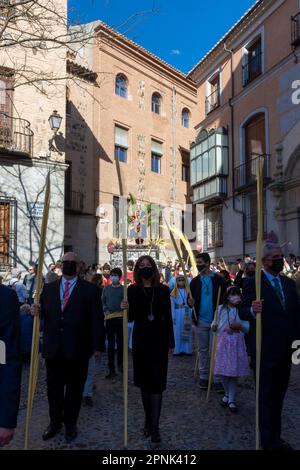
[55, 121]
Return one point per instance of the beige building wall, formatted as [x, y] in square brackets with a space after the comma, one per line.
[271, 94]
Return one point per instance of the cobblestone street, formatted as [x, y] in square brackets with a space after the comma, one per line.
[187, 422]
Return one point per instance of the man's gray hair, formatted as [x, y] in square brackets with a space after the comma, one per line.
[268, 248]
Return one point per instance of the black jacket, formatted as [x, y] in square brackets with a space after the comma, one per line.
[78, 330]
[196, 288]
[10, 373]
[280, 326]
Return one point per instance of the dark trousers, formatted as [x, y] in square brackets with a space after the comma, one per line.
[65, 383]
[114, 331]
[274, 380]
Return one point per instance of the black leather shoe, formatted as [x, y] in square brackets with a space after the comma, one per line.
[285, 446]
[71, 433]
[51, 431]
[147, 430]
[155, 436]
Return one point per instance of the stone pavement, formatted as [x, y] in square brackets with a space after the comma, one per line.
[187, 422]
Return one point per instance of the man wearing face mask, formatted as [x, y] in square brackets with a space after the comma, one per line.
[280, 316]
[73, 332]
[204, 289]
[112, 297]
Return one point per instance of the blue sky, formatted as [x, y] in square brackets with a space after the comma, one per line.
[178, 31]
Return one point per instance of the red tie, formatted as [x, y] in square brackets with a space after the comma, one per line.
[66, 293]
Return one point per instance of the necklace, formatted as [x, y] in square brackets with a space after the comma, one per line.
[182, 298]
[150, 316]
[206, 285]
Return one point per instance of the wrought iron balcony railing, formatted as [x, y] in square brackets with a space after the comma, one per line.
[246, 174]
[15, 135]
[296, 30]
[251, 225]
[212, 101]
[252, 69]
[74, 201]
[213, 235]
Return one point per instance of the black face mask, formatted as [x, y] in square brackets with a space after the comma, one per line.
[201, 267]
[69, 268]
[146, 272]
[277, 265]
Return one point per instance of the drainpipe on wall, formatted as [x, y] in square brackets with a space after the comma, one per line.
[233, 148]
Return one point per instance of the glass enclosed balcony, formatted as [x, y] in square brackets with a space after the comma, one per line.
[209, 165]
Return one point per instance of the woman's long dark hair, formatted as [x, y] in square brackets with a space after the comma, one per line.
[136, 274]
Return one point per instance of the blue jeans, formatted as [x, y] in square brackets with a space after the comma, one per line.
[205, 343]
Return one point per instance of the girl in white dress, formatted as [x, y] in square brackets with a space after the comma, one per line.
[231, 359]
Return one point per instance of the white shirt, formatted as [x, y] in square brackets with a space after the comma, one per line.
[63, 287]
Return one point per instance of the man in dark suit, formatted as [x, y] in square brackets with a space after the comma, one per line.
[280, 315]
[10, 363]
[204, 289]
[73, 332]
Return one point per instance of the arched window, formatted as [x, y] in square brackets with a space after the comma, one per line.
[185, 118]
[156, 103]
[121, 85]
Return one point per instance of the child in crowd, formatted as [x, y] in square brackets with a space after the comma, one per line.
[231, 359]
[182, 318]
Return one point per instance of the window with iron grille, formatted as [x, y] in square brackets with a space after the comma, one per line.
[8, 232]
[250, 209]
[213, 227]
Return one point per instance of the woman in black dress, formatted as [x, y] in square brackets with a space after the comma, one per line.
[149, 307]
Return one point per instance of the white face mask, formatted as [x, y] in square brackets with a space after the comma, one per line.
[234, 299]
[114, 279]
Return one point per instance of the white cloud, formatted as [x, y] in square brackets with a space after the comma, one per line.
[175, 52]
